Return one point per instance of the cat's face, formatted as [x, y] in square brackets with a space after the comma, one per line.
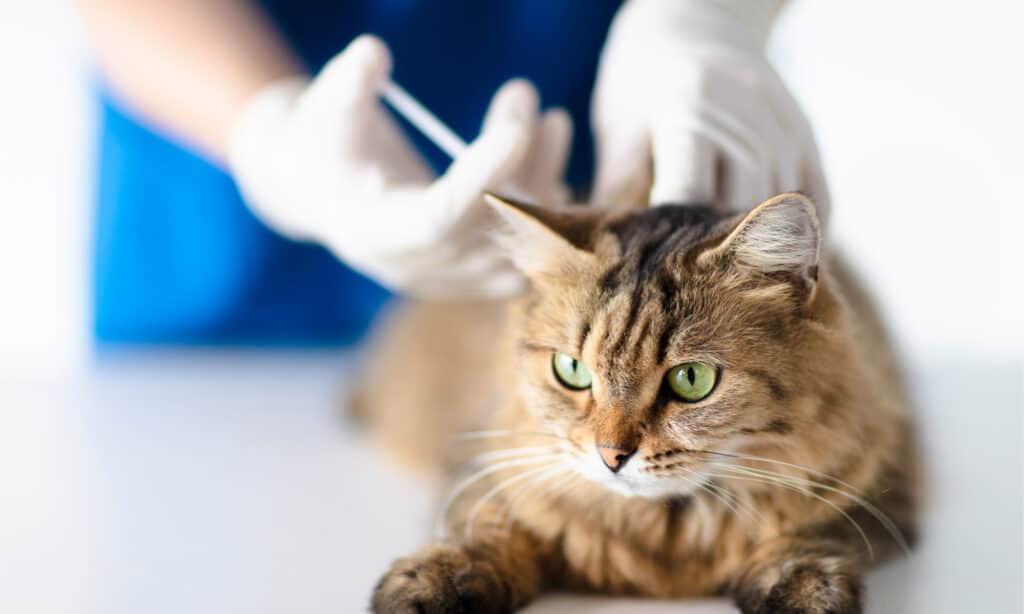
[663, 333]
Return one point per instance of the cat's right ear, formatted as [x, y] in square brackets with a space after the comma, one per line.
[545, 241]
[781, 237]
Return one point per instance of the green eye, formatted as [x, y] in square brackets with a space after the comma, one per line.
[692, 381]
[571, 372]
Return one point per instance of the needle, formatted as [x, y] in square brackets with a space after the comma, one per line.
[425, 121]
[434, 129]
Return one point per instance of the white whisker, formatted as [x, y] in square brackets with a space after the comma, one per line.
[471, 435]
[790, 485]
[511, 452]
[568, 488]
[470, 480]
[804, 468]
[730, 499]
[538, 481]
[558, 484]
[495, 490]
[876, 513]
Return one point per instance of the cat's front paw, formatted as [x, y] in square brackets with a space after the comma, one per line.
[442, 580]
[807, 589]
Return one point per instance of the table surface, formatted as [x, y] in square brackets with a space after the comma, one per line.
[226, 481]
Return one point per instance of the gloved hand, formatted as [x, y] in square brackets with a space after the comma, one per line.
[323, 161]
[687, 103]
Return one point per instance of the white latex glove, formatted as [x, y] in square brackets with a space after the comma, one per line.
[687, 104]
[323, 161]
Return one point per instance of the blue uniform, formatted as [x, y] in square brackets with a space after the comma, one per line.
[178, 258]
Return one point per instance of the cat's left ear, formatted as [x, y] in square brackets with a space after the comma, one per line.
[779, 237]
[545, 241]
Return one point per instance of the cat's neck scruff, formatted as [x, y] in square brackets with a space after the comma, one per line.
[684, 404]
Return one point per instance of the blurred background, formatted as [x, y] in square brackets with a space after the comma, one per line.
[916, 112]
[162, 479]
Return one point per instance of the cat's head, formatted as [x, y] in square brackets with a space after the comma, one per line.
[656, 333]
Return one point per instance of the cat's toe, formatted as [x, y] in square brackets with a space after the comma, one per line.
[807, 590]
[409, 589]
[444, 581]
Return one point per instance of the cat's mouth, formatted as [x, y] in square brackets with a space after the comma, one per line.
[643, 477]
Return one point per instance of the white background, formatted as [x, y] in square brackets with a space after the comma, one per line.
[917, 106]
[172, 483]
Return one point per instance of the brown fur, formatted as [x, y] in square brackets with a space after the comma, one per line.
[807, 380]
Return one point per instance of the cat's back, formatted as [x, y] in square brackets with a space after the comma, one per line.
[868, 332]
[433, 369]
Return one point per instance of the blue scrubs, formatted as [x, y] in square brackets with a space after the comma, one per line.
[178, 258]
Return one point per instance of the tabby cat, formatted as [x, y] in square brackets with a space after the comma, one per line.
[685, 403]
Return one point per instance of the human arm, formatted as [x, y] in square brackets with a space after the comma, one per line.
[319, 159]
[187, 66]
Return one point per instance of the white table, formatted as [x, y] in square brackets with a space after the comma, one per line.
[222, 482]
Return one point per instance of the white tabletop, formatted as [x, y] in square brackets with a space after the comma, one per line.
[222, 482]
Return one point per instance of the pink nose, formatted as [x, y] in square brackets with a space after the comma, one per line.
[614, 457]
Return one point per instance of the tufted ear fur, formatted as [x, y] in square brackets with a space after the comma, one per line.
[545, 240]
[781, 236]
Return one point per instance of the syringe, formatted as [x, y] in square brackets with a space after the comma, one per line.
[424, 121]
[434, 129]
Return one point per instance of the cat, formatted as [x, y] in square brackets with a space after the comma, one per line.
[685, 403]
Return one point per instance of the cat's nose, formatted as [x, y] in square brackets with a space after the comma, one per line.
[614, 456]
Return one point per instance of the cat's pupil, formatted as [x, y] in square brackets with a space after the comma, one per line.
[574, 363]
[691, 375]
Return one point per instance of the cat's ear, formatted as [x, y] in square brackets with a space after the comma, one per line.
[781, 236]
[544, 240]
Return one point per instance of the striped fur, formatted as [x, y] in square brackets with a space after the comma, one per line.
[779, 489]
